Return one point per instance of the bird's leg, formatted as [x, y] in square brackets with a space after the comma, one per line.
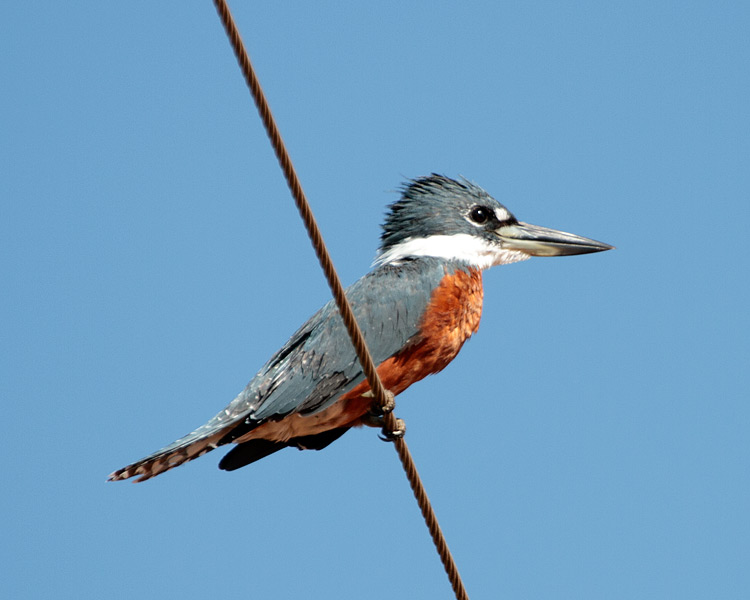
[376, 417]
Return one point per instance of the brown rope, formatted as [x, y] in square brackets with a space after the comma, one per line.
[382, 398]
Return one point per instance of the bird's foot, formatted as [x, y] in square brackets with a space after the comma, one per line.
[378, 410]
[388, 434]
[379, 416]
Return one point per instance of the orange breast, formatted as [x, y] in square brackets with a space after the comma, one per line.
[450, 319]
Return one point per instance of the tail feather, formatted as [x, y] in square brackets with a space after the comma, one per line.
[193, 445]
[215, 433]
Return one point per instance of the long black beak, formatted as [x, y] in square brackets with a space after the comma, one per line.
[542, 241]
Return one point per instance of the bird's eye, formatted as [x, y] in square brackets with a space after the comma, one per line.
[479, 214]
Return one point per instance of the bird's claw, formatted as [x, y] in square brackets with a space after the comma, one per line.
[391, 435]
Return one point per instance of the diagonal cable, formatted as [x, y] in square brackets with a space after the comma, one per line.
[381, 396]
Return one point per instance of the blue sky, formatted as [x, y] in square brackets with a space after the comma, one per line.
[590, 442]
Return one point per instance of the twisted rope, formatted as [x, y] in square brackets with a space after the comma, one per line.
[382, 398]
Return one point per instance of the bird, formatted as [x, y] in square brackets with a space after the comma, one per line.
[416, 307]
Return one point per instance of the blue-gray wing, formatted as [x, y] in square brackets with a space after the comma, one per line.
[318, 363]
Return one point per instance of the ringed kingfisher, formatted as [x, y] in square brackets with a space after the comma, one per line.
[416, 308]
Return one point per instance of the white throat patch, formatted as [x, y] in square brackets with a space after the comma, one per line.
[462, 247]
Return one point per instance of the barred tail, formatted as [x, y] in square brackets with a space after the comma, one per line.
[195, 444]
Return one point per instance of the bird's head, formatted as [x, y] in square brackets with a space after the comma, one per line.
[457, 220]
